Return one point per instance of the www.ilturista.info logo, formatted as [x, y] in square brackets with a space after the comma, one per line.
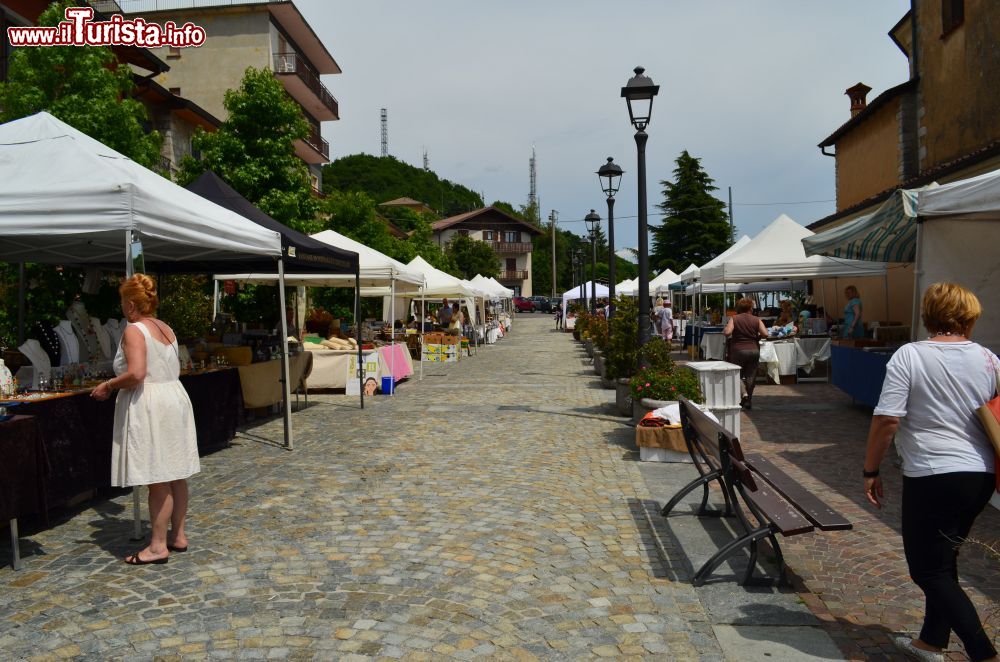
[80, 30]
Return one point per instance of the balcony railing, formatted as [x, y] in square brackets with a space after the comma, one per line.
[514, 275]
[292, 63]
[316, 140]
[512, 247]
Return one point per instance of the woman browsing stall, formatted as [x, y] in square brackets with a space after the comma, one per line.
[155, 442]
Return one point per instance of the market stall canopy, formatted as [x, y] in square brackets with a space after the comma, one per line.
[508, 293]
[976, 198]
[887, 235]
[439, 283]
[494, 289]
[578, 293]
[626, 287]
[747, 288]
[302, 253]
[65, 198]
[777, 254]
[695, 275]
[661, 284]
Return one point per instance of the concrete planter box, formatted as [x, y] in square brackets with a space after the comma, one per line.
[598, 362]
[645, 405]
[588, 345]
[623, 399]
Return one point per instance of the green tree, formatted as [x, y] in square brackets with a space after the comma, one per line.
[695, 225]
[254, 151]
[472, 257]
[84, 86]
[387, 178]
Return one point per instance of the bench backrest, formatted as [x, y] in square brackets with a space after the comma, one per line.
[720, 444]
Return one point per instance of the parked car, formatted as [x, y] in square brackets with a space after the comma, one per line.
[542, 304]
[523, 305]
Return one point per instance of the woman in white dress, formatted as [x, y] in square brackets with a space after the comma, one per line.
[155, 442]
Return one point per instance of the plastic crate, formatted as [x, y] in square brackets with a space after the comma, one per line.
[647, 454]
[729, 417]
[720, 382]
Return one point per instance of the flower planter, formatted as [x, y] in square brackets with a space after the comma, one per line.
[623, 399]
[588, 345]
[643, 406]
[598, 362]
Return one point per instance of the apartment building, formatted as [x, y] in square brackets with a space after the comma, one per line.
[509, 237]
[268, 34]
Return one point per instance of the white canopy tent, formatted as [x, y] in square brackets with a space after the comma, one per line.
[577, 293]
[66, 198]
[626, 287]
[661, 284]
[777, 254]
[694, 275]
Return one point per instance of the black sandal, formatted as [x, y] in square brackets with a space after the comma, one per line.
[135, 559]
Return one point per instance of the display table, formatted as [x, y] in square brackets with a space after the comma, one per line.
[810, 350]
[713, 346]
[22, 475]
[778, 358]
[77, 430]
[397, 361]
[859, 373]
[329, 367]
[261, 382]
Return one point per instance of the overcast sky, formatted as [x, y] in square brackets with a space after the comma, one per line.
[748, 86]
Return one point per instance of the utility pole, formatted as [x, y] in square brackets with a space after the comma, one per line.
[553, 215]
[732, 228]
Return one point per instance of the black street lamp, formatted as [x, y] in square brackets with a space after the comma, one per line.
[593, 222]
[578, 253]
[639, 93]
[610, 176]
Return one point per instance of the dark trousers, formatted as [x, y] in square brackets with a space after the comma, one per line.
[938, 512]
[747, 360]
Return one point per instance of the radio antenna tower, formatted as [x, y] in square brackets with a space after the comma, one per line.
[533, 192]
[427, 162]
[385, 132]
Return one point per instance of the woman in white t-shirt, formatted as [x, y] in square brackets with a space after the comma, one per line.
[929, 398]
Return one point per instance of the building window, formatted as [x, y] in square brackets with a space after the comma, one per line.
[487, 235]
[512, 264]
[511, 236]
[952, 15]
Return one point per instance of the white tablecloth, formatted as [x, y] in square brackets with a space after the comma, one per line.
[329, 369]
[786, 357]
[713, 345]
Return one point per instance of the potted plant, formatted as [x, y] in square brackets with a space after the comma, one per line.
[621, 353]
[652, 388]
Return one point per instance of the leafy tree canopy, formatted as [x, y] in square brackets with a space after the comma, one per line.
[387, 178]
[472, 257]
[254, 151]
[695, 225]
[83, 86]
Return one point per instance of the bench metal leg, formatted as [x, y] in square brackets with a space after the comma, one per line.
[704, 510]
[720, 556]
[15, 549]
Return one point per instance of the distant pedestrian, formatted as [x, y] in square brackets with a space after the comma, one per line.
[744, 331]
[667, 322]
[559, 317]
[929, 398]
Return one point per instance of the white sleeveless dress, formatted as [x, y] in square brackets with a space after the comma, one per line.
[154, 436]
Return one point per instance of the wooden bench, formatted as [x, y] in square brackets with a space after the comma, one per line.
[778, 503]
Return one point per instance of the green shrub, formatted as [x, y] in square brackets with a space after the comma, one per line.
[656, 353]
[598, 329]
[621, 354]
[660, 385]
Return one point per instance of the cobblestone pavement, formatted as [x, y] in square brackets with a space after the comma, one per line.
[479, 513]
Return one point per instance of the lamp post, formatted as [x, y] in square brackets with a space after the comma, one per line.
[593, 222]
[638, 94]
[583, 276]
[610, 176]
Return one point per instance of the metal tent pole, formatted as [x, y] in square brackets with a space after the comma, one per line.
[357, 333]
[286, 387]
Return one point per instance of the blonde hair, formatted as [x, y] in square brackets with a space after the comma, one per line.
[949, 307]
[140, 289]
[659, 301]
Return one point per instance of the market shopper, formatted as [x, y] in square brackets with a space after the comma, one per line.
[667, 321]
[155, 442]
[444, 313]
[655, 315]
[853, 327]
[744, 331]
[929, 398]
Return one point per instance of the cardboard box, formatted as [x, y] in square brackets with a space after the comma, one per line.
[666, 438]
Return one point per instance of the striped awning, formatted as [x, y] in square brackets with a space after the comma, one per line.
[887, 235]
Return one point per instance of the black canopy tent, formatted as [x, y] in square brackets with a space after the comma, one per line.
[301, 254]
